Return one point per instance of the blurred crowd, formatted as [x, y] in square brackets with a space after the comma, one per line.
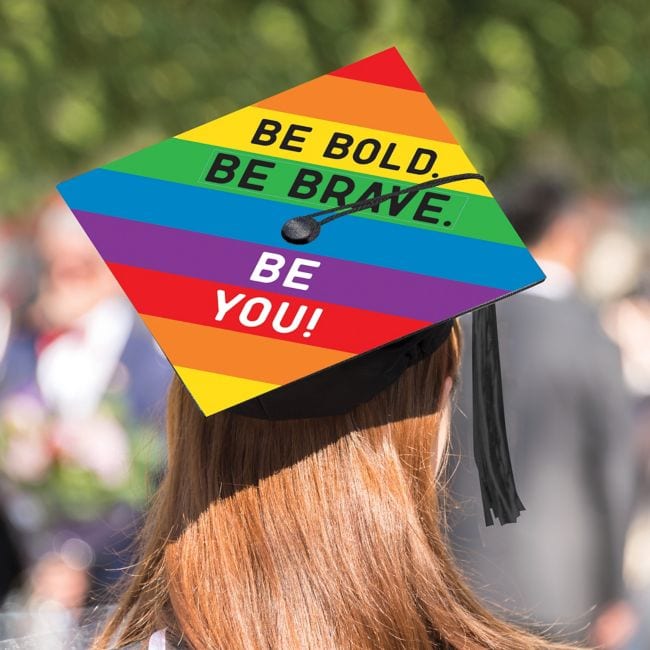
[82, 389]
[82, 384]
[82, 392]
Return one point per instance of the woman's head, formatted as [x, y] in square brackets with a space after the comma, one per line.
[322, 533]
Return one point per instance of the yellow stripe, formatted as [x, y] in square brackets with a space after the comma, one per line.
[214, 392]
[235, 131]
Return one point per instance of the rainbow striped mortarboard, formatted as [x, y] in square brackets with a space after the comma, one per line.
[192, 230]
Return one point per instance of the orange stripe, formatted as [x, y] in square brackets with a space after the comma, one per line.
[235, 353]
[348, 101]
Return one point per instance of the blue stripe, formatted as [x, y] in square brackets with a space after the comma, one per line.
[394, 246]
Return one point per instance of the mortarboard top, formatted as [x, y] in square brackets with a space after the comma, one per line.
[192, 230]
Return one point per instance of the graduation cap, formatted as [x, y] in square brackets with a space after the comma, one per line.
[294, 257]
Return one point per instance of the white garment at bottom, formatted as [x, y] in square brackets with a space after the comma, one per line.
[157, 641]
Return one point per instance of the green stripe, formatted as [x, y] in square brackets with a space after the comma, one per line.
[182, 161]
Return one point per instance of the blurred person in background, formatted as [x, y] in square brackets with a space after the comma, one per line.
[569, 425]
[82, 389]
[80, 309]
[11, 560]
[626, 318]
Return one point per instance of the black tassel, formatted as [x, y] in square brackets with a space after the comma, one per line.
[490, 441]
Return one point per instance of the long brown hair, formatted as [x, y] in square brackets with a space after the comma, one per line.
[321, 534]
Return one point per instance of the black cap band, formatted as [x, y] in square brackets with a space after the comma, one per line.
[339, 389]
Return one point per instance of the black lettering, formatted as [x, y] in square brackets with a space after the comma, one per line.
[385, 160]
[419, 153]
[250, 173]
[307, 178]
[425, 206]
[291, 137]
[330, 192]
[375, 148]
[374, 190]
[399, 202]
[267, 132]
[338, 146]
[224, 163]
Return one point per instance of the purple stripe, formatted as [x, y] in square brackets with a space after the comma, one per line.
[207, 257]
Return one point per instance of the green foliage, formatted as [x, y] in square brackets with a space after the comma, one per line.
[82, 82]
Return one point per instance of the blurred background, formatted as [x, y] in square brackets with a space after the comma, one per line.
[548, 96]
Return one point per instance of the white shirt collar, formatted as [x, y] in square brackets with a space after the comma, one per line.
[74, 371]
[560, 281]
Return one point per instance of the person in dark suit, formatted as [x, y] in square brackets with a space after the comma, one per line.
[568, 421]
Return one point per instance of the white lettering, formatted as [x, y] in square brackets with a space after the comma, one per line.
[244, 317]
[268, 267]
[295, 272]
[224, 306]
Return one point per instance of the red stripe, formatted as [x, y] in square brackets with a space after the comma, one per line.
[387, 68]
[177, 297]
